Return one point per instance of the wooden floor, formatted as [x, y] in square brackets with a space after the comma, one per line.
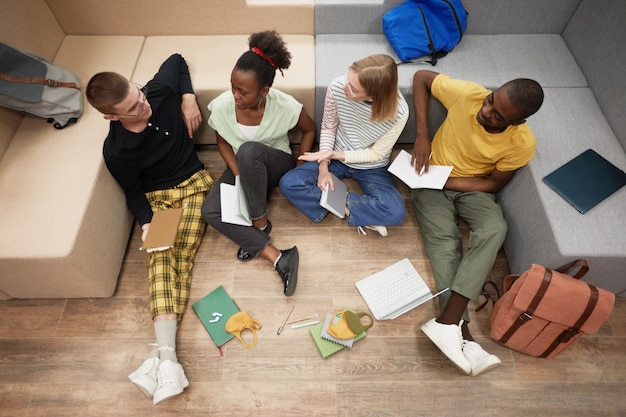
[72, 357]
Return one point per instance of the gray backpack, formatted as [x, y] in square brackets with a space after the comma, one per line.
[35, 86]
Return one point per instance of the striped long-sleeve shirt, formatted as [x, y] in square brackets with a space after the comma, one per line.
[346, 127]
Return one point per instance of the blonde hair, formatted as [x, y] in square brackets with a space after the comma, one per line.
[378, 75]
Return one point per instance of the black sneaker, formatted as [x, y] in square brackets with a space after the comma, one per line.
[243, 255]
[287, 268]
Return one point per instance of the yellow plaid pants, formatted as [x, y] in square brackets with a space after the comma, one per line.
[169, 271]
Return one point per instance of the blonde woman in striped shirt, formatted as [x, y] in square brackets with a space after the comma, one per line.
[364, 114]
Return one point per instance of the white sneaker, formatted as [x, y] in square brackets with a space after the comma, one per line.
[145, 377]
[448, 338]
[171, 381]
[382, 230]
[480, 360]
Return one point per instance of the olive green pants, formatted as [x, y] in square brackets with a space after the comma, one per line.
[438, 213]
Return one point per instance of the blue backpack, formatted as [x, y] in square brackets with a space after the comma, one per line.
[421, 28]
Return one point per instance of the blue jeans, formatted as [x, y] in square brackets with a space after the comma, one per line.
[260, 167]
[380, 203]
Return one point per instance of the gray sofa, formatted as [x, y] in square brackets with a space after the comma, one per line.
[576, 49]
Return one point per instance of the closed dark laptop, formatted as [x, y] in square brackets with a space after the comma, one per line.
[586, 180]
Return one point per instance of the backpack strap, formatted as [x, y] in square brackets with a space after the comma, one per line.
[509, 279]
[488, 296]
[528, 314]
[566, 335]
[584, 268]
[44, 81]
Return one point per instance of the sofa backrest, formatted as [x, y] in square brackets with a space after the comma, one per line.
[28, 25]
[189, 17]
[596, 35]
[486, 17]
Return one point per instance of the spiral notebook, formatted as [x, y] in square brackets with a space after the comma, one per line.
[326, 347]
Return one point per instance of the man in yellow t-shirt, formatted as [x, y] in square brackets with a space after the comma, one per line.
[484, 137]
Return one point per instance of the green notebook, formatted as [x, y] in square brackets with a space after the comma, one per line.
[214, 310]
[326, 347]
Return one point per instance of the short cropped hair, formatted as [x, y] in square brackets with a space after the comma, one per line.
[378, 75]
[526, 95]
[105, 90]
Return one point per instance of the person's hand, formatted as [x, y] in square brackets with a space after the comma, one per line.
[324, 178]
[191, 113]
[316, 156]
[144, 231]
[420, 157]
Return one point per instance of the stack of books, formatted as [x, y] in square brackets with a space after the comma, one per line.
[327, 344]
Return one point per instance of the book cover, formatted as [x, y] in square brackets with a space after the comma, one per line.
[214, 310]
[163, 230]
[326, 347]
[586, 180]
[335, 200]
[234, 204]
[435, 178]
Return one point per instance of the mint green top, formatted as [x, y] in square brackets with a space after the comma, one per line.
[282, 112]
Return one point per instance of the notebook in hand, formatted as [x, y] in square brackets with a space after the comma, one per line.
[335, 200]
[163, 230]
[586, 180]
[394, 290]
[234, 204]
[435, 178]
[214, 310]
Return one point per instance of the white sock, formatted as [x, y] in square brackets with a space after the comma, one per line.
[165, 331]
[155, 350]
[277, 259]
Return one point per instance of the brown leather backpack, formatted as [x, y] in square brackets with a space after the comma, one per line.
[543, 311]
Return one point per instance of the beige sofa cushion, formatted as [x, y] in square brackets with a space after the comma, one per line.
[191, 17]
[68, 218]
[211, 60]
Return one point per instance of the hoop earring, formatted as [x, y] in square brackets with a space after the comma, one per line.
[258, 107]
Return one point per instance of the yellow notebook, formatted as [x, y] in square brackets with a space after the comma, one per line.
[163, 230]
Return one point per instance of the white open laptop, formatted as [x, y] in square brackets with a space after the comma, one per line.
[395, 290]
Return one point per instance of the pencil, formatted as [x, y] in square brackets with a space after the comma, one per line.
[314, 316]
[282, 326]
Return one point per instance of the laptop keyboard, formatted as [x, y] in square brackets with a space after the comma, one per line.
[392, 288]
[394, 291]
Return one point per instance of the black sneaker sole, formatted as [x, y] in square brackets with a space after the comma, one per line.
[294, 261]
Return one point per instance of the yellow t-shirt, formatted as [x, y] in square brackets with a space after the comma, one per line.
[463, 143]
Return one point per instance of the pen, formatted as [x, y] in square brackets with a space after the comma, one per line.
[424, 166]
[282, 326]
[310, 323]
